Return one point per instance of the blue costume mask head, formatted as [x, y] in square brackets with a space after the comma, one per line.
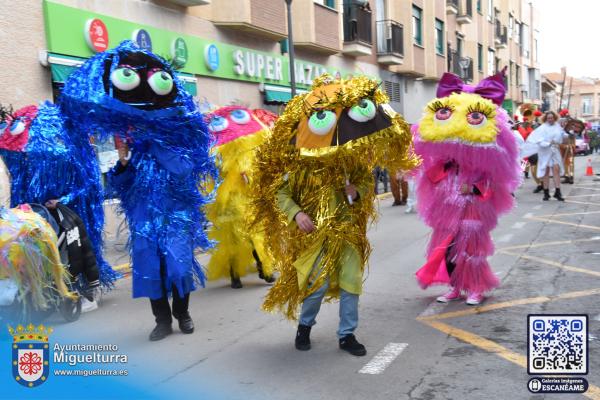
[124, 87]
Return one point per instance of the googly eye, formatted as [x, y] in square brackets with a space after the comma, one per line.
[161, 82]
[241, 117]
[17, 127]
[218, 124]
[321, 122]
[443, 114]
[125, 78]
[364, 111]
[476, 118]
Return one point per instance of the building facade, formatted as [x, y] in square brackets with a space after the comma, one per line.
[581, 96]
[236, 50]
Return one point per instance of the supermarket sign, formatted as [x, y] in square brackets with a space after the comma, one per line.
[192, 54]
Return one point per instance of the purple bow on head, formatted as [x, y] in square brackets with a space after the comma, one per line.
[491, 88]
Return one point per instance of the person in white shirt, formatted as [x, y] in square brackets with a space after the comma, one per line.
[545, 141]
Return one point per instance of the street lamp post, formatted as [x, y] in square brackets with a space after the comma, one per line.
[291, 47]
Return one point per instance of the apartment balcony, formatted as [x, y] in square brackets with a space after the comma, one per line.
[465, 12]
[461, 66]
[321, 31]
[189, 3]
[500, 36]
[357, 31]
[263, 18]
[390, 42]
[452, 7]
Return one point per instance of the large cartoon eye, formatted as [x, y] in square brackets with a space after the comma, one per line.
[218, 124]
[17, 127]
[476, 118]
[241, 117]
[125, 78]
[160, 82]
[443, 114]
[321, 122]
[364, 111]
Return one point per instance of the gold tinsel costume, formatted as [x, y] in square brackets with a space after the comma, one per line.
[336, 133]
[238, 131]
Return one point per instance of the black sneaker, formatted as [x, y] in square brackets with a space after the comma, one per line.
[351, 345]
[186, 325]
[546, 195]
[303, 338]
[160, 332]
[538, 189]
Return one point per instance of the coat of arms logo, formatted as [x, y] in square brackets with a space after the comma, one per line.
[30, 354]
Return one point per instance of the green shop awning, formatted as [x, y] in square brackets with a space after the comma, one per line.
[62, 66]
[279, 94]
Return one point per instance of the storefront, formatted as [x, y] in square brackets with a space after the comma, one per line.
[73, 34]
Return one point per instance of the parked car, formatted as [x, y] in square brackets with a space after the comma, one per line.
[582, 147]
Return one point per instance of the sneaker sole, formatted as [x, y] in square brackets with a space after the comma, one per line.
[445, 301]
[357, 354]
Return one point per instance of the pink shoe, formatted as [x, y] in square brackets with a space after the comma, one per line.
[453, 294]
[475, 299]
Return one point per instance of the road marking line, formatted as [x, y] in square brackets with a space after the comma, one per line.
[528, 246]
[434, 308]
[589, 188]
[554, 263]
[506, 238]
[593, 392]
[383, 359]
[568, 214]
[552, 221]
[508, 304]
[537, 207]
[518, 225]
[582, 202]
[585, 195]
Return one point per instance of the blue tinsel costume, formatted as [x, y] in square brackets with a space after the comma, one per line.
[159, 188]
[53, 166]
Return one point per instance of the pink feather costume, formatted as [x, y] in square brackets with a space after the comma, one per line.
[454, 156]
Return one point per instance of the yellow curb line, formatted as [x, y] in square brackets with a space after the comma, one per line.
[593, 391]
[554, 264]
[122, 267]
[565, 223]
[383, 195]
[527, 246]
[508, 304]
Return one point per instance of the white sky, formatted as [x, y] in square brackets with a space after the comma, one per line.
[569, 31]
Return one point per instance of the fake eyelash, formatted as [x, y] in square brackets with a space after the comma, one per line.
[481, 108]
[437, 105]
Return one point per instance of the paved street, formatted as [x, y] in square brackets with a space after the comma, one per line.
[548, 258]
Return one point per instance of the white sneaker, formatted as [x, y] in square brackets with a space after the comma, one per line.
[87, 306]
[474, 299]
[453, 294]
[408, 210]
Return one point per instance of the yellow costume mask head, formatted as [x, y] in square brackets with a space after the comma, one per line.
[338, 113]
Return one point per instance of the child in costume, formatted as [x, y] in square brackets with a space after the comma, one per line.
[313, 196]
[164, 155]
[49, 168]
[470, 170]
[238, 131]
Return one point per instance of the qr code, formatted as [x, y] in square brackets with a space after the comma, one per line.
[557, 344]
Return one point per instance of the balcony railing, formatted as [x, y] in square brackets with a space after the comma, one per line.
[465, 12]
[451, 6]
[357, 25]
[390, 38]
[501, 35]
[461, 66]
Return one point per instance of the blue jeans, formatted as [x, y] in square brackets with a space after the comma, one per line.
[348, 310]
